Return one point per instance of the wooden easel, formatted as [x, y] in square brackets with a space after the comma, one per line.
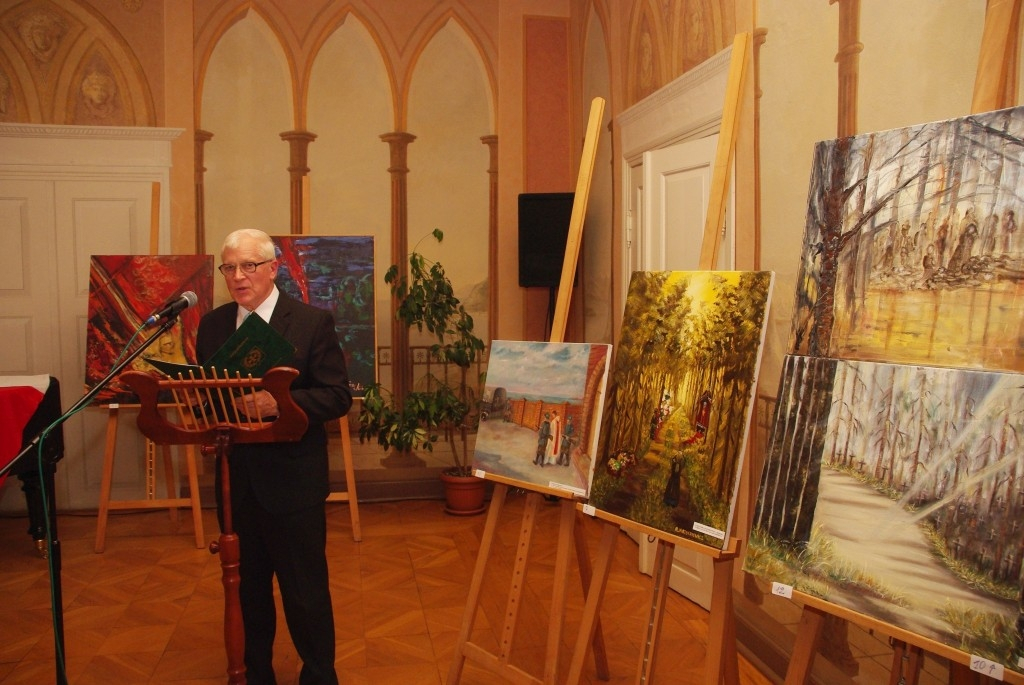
[721, 660]
[995, 88]
[349, 495]
[568, 532]
[216, 431]
[151, 501]
[908, 647]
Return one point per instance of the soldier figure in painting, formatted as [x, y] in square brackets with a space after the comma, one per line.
[701, 418]
[566, 443]
[543, 435]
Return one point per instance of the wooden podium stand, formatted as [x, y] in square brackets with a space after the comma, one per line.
[216, 430]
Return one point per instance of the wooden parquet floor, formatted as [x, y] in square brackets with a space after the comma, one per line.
[150, 608]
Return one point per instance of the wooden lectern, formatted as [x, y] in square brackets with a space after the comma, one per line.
[215, 427]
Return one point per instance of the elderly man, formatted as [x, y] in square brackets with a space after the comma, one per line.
[279, 490]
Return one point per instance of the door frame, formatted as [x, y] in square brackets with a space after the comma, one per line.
[687, 109]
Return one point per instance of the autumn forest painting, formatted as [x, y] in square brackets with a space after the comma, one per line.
[912, 250]
[679, 401]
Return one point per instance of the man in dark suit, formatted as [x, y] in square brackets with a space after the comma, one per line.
[279, 490]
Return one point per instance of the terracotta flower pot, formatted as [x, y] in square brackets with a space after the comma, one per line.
[463, 495]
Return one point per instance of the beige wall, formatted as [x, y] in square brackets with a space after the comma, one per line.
[918, 65]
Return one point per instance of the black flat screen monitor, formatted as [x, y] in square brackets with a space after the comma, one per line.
[543, 232]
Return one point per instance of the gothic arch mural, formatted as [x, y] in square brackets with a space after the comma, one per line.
[450, 110]
[66, 65]
[246, 104]
[349, 104]
[646, 70]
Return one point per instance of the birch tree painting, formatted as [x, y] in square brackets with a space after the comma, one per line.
[897, 491]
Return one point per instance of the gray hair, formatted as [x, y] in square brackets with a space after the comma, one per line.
[264, 244]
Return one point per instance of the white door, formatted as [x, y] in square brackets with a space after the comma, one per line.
[674, 191]
[676, 185]
[49, 230]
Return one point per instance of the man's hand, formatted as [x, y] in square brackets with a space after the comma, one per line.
[259, 404]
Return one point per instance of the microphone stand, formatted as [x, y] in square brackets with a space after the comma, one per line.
[53, 544]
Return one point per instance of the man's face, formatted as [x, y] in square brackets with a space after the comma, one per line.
[248, 289]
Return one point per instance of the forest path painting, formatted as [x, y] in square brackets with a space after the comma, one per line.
[898, 551]
[943, 448]
[680, 400]
[893, 482]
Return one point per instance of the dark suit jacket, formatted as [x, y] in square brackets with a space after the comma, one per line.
[289, 476]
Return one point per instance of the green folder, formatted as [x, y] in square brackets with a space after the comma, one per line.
[252, 350]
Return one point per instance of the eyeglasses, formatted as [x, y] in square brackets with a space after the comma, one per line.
[246, 267]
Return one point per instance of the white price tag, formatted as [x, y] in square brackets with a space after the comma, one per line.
[987, 667]
[782, 590]
[589, 509]
[479, 473]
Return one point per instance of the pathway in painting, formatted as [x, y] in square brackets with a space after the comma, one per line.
[875, 533]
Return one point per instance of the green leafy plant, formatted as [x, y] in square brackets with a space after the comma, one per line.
[436, 407]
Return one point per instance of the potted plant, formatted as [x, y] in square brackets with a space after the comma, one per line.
[435, 407]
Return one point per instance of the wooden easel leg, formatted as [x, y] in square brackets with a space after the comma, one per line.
[662, 571]
[906, 663]
[587, 577]
[515, 595]
[476, 584]
[350, 480]
[566, 526]
[165, 455]
[805, 646]
[722, 660]
[594, 592]
[106, 481]
[193, 492]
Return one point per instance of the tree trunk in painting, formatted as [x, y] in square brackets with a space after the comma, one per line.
[791, 474]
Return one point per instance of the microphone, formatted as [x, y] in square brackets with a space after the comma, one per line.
[187, 299]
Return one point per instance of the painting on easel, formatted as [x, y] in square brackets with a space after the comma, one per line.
[124, 290]
[336, 273]
[893, 478]
[541, 413]
[912, 251]
[895, 491]
[680, 398]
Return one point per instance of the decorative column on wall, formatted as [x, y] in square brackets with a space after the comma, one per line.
[492, 237]
[401, 362]
[199, 146]
[298, 169]
[848, 59]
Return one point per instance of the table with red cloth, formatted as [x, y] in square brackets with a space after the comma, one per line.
[29, 405]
